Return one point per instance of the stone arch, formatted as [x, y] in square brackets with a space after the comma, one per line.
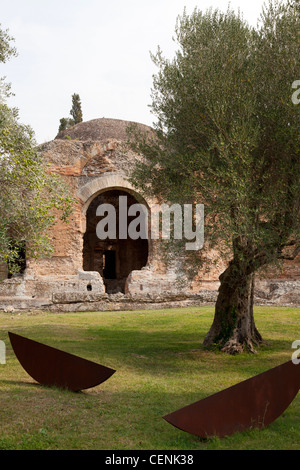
[104, 183]
[125, 255]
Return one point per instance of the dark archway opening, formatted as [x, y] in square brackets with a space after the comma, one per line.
[115, 258]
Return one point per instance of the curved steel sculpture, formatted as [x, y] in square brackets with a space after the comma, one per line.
[51, 367]
[253, 403]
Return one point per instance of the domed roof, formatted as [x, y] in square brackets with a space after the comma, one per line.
[100, 129]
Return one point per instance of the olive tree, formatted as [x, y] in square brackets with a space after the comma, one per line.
[227, 135]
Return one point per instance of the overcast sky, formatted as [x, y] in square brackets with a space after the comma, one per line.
[99, 49]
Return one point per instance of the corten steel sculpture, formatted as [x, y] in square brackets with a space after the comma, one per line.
[253, 403]
[51, 367]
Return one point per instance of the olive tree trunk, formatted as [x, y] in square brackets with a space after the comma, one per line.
[233, 328]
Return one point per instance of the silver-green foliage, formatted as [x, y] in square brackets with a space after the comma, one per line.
[227, 131]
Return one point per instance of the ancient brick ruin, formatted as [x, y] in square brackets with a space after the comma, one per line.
[88, 274]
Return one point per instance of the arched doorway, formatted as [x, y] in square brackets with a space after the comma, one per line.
[114, 258]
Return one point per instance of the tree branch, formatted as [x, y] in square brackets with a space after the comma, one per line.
[291, 256]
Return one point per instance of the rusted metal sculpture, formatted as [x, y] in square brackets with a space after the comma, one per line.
[253, 403]
[51, 367]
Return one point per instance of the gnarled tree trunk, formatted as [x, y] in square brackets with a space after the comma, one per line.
[233, 328]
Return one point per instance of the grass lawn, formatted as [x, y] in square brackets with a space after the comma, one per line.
[161, 366]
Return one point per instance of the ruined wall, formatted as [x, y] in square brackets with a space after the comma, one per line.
[94, 164]
[93, 159]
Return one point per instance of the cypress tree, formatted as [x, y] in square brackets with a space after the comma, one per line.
[76, 111]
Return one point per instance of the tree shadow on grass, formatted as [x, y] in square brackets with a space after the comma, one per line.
[159, 352]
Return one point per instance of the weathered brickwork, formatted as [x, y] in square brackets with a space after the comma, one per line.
[93, 159]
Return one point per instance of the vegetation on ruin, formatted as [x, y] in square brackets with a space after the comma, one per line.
[227, 136]
[76, 113]
[159, 368]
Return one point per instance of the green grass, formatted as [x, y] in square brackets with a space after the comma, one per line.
[161, 366]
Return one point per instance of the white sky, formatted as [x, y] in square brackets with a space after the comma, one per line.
[99, 49]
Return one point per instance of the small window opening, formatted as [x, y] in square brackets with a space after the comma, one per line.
[109, 264]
